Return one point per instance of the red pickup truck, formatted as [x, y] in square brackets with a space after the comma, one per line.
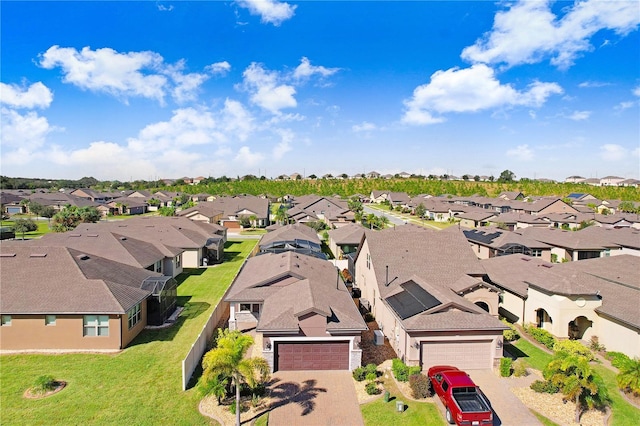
[463, 401]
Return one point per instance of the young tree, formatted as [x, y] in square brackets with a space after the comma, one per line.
[69, 217]
[577, 381]
[228, 358]
[254, 221]
[507, 176]
[24, 225]
[421, 210]
[629, 376]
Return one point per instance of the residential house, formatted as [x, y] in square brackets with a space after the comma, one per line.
[490, 242]
[61, 299]
[577, 300]
[301, 310]
[574, 179]
[205, 211]
[570, 245]
[295, 237]
[511, 195]
[611, 181]
[345, 240]
[475, 217]
[513, 221]
[426, 290]
[373, 175]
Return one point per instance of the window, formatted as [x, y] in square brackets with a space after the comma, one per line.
[134, 315]
[607, 252]
[245, 307]
[178, 260]
[158, 266]
[96, 325]
[368, 261]
[445, 385]
[536, 252]
[6, 320]
[49, 320]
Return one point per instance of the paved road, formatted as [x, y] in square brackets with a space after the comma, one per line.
[392, 218]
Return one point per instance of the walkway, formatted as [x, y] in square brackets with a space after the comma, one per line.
[313, 398]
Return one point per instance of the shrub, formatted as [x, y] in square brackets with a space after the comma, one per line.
[617, 358]
[232, 407]
[511, 334]
[371, 368]
[372, 388]
[420, 386]
[416, 369]
[371, 376]
[520, 368]
[542, 336]
[359, 374]
[573, 347]
[544, 386]
[506, 364]
[368, 317]
[44, 384]
[400, 370]
[595, 345]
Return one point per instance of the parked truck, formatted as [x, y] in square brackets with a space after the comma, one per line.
[464, 402]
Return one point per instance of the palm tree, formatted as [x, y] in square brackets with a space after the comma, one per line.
[228, 359]
[254, 220]
[577, 381]
[281, 215]
[629, 377]
[383, 221]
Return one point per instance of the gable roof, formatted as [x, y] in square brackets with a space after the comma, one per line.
[291, 285]
[348, 234]
[59, 280]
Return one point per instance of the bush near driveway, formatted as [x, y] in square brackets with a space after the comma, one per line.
[141, 385]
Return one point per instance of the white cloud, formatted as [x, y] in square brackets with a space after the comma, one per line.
[613, 152]
[124, 75]
[236, 120]
[247, 158]
[270, 11]
[219, 68]
[35, 96]
[624, 105]
[105, 70]
[26, 131]
[528, 32]
[265, 90]
[521, 152]
[284, 146]
[365, 126]
[636, 91]
[469, 90]
[305, 70]
[579, 115]
[592, 84]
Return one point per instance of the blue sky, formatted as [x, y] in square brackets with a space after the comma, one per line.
[146, 90]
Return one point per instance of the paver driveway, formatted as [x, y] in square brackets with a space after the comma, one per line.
[507, 408]
[314, 398]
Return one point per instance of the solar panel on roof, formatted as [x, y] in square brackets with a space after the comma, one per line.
[412, 301]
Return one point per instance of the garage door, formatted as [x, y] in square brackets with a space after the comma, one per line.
[467, 355]
[312, 356]
[231, 224]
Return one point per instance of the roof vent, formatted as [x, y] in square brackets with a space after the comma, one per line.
[83, 256]
[547, 266]
[525, 259]
[123, 238]
[92, 235]
[7, 255]
[74, 235]
[38, 255]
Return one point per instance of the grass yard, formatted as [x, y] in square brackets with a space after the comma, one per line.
[379, 412]
[140, 385]
[624, 414]
[43, 228]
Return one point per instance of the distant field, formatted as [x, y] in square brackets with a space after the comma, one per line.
[139, 386]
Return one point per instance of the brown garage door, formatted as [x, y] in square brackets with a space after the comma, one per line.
[468, 355]
[312, 356]
[231, 224]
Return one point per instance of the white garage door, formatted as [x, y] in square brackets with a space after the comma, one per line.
[469, 355]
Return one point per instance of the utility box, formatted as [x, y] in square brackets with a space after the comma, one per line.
[400, 406]
[378, 338]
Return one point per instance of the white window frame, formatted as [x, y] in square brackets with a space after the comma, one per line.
[536, 252]
[179, 260]
[6, 321]
[134, 315]
[49, 320]
[95, 325]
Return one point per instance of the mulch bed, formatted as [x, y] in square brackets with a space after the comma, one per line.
[372, 354]
[31, 394]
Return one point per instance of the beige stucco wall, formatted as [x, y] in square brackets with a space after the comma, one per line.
[29, 332]
[467, 223]
[562, 310]
[515, 305]
[129, 334]
[191, 258]
[485, 295]
[617, 337]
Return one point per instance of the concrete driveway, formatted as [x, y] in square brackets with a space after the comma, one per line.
[314, 398]
[507, 408]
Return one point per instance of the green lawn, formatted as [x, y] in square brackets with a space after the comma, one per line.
[545, 421]
[142, 384]
[379, 412]
[43, 228]
[624, 414]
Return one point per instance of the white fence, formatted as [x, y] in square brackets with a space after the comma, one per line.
[191, 361]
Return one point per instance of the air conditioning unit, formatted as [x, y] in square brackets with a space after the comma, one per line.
[378, 337]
